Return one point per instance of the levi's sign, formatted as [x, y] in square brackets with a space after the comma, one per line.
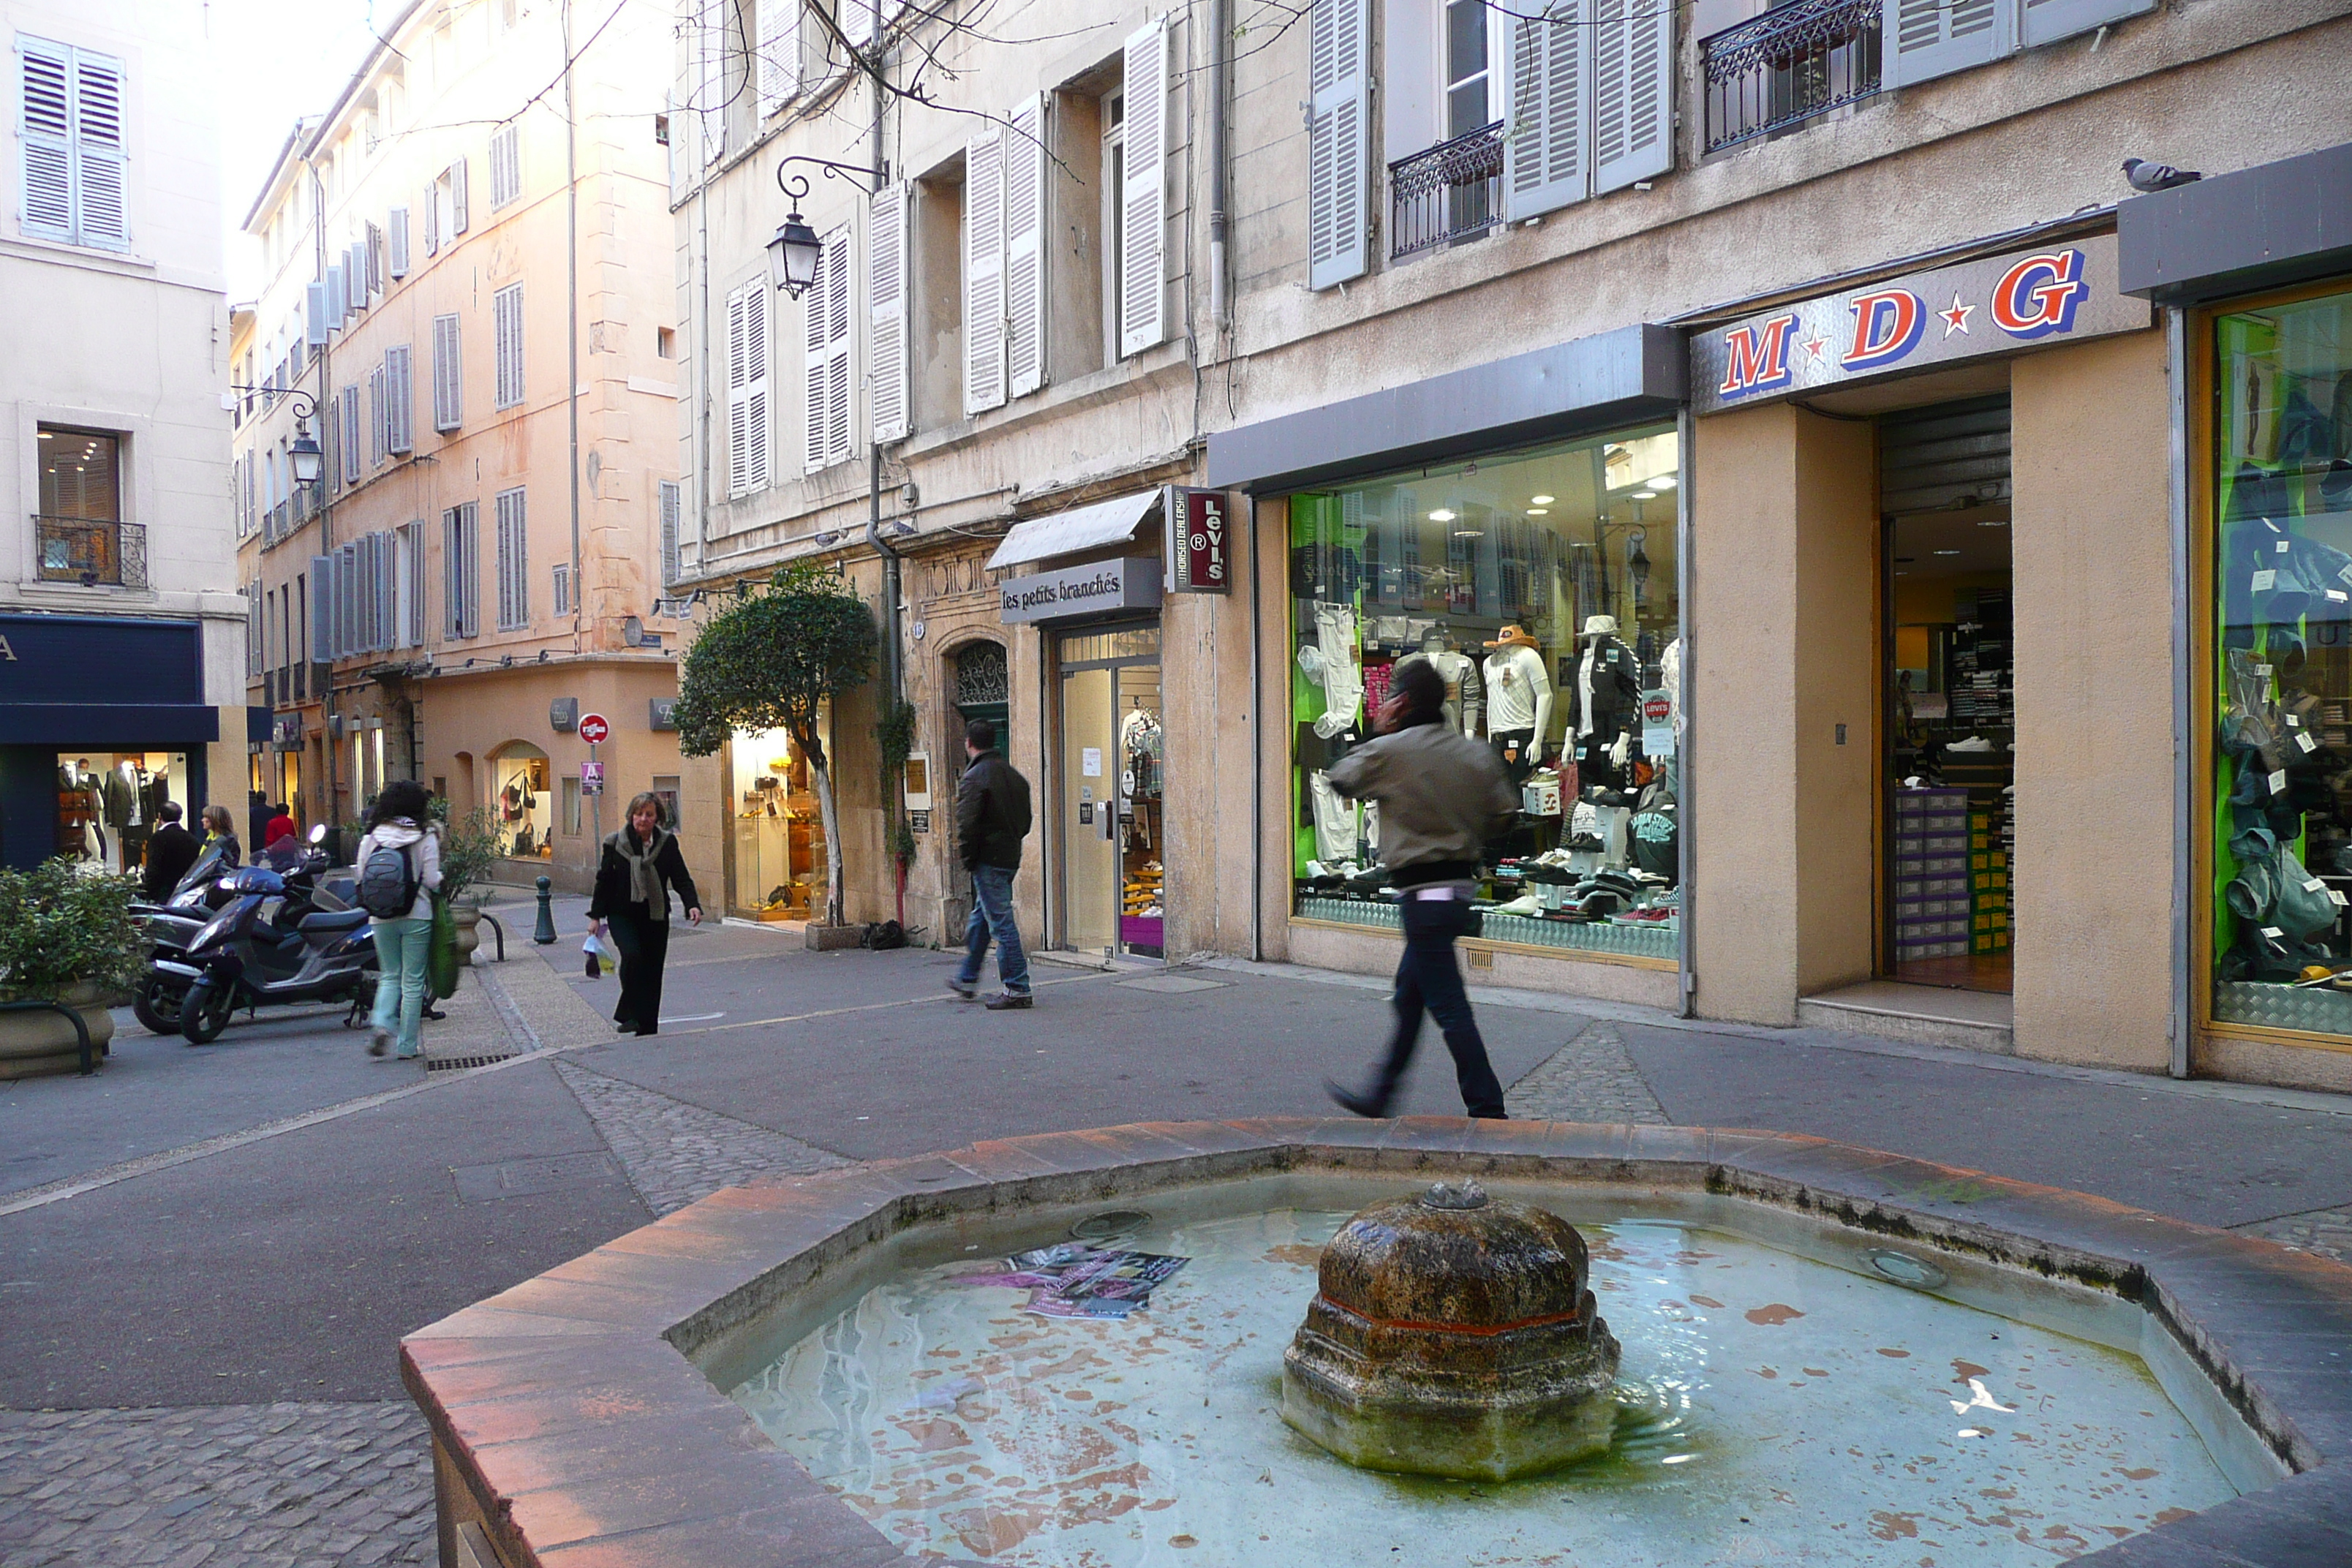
[2004, 304]
[1131, 583]
[1196, 540]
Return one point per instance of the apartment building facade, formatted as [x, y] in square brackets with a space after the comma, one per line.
[1779, 423]
[121, 632]
[471, 295]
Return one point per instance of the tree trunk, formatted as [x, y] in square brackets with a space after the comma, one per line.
[823, 775]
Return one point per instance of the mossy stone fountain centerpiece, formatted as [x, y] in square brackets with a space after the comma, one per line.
[1453, 1334]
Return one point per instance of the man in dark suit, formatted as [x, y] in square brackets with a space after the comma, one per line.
[171, 850]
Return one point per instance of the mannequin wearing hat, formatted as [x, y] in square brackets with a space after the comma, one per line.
[1604, 701]
[1519, 700]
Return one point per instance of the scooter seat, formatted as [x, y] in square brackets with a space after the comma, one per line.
[333, 920]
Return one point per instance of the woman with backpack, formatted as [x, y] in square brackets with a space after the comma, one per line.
[640, 866]
[399, 864]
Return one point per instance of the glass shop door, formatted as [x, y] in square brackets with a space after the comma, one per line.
[1110, 791]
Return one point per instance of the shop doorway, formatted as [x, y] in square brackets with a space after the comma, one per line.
[1949, 790]
[1111, 764]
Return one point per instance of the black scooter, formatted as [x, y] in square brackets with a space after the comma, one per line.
[251, 956]
[171, 926]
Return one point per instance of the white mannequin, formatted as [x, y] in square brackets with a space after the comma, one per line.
[1464, 698]
[1518, 688]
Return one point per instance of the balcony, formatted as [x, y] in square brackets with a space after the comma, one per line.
[1452, 192]
[90, 553]
[1789, 65]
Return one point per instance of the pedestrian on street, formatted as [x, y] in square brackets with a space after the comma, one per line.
[171, 850]
[220, 833]
[641, 865]
[281, 847]
[403, 938]
[1442, 797]
[991, 819]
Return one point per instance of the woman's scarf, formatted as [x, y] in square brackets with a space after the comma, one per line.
[645, 877]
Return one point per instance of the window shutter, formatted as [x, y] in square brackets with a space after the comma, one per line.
[670, 510]
[1922, 39]
[378, 277]
[858, 21]
[355, 275]
[1143, 200]
[453, 595]
[458, 197]
[396, 227]
[44, 131]
[514, 552]
[1632, 92]
[505, 320]
[1338, 142]
[432, 220]
[747, 384]
[738, 377]
[314, 315]
[378, 407]
[710, 97]
[779, 54]
[984, 271]
[102, 181]
[837, 292]
[1025, 248]
[322, 609]
[351, 434]
[339, 302]
[885, 298]
[2047, 21]
[448, 375]
[400, 376]
[506, 166]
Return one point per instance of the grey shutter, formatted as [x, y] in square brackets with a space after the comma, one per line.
[514, 563]
[984, 271]
[1025, 248]
[378, 276]
[779, 54]
[1922, 39]
[396, 227]
[400, 378]
[377, 405]
[45, 134]
[1632, 92]
[506, 320]
[669, 520]
[1339, 140]
[885, 298]
[453, 597]
[355, 275]
[432, 219]
[458, 197]
[1544, 165]
[314, 315]
[448, 375]
[339, 301]
[1142, 198]
[2047, 21]
[102, 180]
[352, 469]
[322, 609]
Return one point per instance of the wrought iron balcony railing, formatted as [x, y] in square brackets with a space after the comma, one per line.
[92, 553]
[1793, 62]
[1452, 192]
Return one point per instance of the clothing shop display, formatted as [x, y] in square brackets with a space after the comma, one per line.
[1335, 819]
[1605, 697]
[1330, 662]
[1517, 688]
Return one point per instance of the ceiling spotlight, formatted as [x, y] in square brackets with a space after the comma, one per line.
[1947, 552]
[1542, 501]
[1646, 495]
[1992, 522]
[1664, 481]
[1537, 511]
[1441, 515]
[1469, 533]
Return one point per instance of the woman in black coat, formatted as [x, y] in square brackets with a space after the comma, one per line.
[640, 868]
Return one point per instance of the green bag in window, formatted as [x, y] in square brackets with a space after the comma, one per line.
[441, 953]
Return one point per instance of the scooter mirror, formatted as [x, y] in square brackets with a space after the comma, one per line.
[319, 834]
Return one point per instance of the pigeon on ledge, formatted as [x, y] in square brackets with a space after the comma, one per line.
[2146, 177]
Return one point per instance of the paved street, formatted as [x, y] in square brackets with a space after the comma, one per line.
[206, 1257]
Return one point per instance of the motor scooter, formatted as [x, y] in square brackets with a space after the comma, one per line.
[271, 947]
[170, 927]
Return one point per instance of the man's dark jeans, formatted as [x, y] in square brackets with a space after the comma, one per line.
[1428, 981]
[991, 913]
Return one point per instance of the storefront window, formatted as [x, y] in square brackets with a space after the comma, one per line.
[1541, 583]
[2283, 666]
[109, 802]
[779, 845]
[521, 801]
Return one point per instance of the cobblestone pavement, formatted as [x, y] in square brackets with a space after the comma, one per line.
[259, 1486]
[1590, 1079]
[675, 1153]
[2325, 1232]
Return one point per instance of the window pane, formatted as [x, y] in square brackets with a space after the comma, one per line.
[1465, 39]
[79, 475]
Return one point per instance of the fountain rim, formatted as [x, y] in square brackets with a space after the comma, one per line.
[570, 1423]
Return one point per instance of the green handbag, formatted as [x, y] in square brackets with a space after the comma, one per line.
[441, 953]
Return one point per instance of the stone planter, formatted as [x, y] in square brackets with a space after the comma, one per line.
[825, 938]
[468, 916]
[33, 1044]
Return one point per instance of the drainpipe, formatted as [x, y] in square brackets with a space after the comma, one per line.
[2184, 737]
[326, 519]
[571, 328]
[1220, 31]
[893, 685]
[1258, 751]
[1685, 856]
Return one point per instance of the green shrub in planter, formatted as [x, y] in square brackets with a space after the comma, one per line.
[62, 927]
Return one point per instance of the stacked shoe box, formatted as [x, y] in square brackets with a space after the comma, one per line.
[1933, 907]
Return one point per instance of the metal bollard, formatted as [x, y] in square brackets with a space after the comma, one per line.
[543, 932]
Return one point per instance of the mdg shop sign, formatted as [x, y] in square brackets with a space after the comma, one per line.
[1996, 305]
[1131, 583]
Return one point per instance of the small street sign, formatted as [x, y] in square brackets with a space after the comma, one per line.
[594, 730]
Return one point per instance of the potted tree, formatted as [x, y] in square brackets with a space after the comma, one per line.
[470, 850]
[772, 660]
[65, 936]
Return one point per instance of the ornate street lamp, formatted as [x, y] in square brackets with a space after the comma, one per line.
[793, 253]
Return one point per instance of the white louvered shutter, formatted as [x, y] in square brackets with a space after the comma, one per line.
[45, 134]
[101, 179]
[458, 219]
[355, 274]
[339, 302]
[351, 434]
[400, 379]
[885, 300]
[379, 408]
[1142, 198]
[514, 563]
[778, 66]
[379, 274]
[2047, 21]
[1025, 248]
[983, 271]
[747, 388]
[432, 220]
[1339, 140]
[1923, 39]
[839, 269]
[670, 511]
[448, 375]
[506, 165]
[1632, 92]
[314, 315]
[1545, 166]
[506, 323]
[711, 90]
[858, 21]
[396, 227]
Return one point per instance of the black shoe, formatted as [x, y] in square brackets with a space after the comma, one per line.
[1006, 1001]
[1355, 1104]
[965, 988]
[625, 1029]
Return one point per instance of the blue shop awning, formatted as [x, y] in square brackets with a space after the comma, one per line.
[125, 726]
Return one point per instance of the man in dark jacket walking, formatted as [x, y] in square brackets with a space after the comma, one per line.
[1442, 797]
[991, 819]
[171, 850]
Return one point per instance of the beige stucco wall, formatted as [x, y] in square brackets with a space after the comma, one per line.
[2091, 881]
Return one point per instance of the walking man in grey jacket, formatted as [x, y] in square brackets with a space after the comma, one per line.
[991, 819]
[1442, 796]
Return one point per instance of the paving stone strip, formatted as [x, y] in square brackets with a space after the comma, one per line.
[1590, 1079]
[346, 1484]
[2327, 1233]
[675, 1153]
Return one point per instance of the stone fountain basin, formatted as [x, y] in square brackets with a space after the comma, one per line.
[578, 1419]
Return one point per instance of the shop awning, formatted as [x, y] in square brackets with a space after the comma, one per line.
[1106, 522]
[2269, 226]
